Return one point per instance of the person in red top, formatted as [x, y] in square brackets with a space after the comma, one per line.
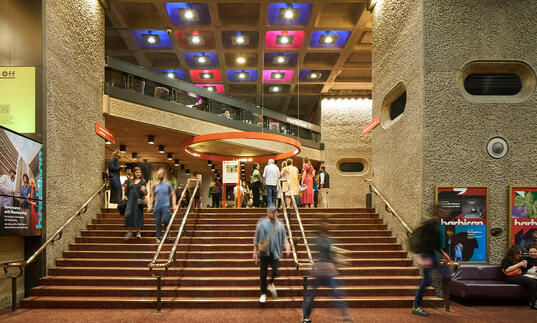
[307, 179]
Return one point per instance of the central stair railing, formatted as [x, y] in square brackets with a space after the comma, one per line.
[154, 264]
[298, 264]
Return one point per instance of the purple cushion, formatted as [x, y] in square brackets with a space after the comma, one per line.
[479, 272]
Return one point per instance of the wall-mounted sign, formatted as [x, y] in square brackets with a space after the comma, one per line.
[464, 231]
[17, 98]
[230, 172]
[522, 215]
[371, 125]
[297, 122]
[105, 133]
[21, 185]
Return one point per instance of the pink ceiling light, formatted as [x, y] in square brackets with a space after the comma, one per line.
[271, 36]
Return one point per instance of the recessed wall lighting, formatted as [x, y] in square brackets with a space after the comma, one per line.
[241, 75]
[176, 163]
[284, 39]
[151, 139]
[202, 59]
[189, 14]
[171, 75]
[207, 75]
[289, 14]
[328, 39]
[123, 148]
[135, 156]
[240, 40]
[151, 40]
[281, 59]
[161, 149]
[276, 75]
[241, 60]
[170, 156]
[196, 40]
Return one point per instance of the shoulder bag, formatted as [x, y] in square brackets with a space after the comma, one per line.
[514, 273]
[263, 246]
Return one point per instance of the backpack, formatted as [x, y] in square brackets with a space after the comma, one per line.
[417, 241]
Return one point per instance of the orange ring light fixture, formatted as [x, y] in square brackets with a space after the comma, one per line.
[242, 135]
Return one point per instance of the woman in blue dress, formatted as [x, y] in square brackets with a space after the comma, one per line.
[134, 212]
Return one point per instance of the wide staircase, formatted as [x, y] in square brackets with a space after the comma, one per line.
[215, 269]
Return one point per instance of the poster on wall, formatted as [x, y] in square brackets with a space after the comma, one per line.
[522, 215]
[21, 185]
[17, 102]
[464, 231]
[230, 172]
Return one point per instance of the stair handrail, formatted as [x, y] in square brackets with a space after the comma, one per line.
[153, 263]
[409, 231]
[288, 224]
[388, 206]
[55, 237]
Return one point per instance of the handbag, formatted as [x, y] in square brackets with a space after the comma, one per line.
[514, 273]
[303, 187]
[122, 206]
[142, 203]
[264, 245]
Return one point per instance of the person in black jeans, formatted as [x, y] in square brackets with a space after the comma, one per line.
[255, 180]
[513, 262]
[269, 228]
[429, 245]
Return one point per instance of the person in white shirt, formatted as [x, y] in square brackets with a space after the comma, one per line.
[271, 177]
[7, 187]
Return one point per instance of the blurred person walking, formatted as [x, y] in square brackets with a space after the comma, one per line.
[271, 177]
[135, 193]
[324, 272]
[160, 202]
[307, 179]
[270, 240]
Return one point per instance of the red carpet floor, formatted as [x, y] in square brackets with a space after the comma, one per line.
[459, 313]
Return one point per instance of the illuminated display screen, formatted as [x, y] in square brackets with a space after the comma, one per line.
[17, 98]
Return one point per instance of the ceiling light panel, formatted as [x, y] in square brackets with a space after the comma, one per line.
[297, 14]
[152, 39]
[329, 38]
[183, 13]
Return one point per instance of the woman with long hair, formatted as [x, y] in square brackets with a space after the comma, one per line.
[514, 268]
[307, 179]
[255, 180]
[291, 173]
[135, 193]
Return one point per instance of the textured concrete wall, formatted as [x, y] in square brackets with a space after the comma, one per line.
[456, 130]
[132, 111]
[74, 60]
[398, 150]
[342, 122]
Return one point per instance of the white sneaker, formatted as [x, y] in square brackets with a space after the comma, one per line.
[263, 299]
[272, 290]
[138, 235]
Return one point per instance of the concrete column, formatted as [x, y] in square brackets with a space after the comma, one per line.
[74, 77]
[441, 137]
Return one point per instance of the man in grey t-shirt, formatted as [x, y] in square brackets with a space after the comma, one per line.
[278, 241]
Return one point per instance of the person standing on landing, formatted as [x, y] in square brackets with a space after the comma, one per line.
[271, 229]
[271, 177]
[324, 187]
[255, 180]
[307, 179]
[160, 202]
[135, 193]
[115, 181]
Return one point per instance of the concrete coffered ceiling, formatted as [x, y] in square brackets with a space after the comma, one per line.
[328, 50]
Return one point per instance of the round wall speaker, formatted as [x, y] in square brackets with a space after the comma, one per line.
[497, 147]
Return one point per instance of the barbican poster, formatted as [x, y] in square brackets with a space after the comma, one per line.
[522, 215]
[464, 231]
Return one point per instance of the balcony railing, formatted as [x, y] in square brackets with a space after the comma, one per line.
[132, 83]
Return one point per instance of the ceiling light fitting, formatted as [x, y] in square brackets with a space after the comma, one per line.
[241, 75]
[276, 76]
[151, 40]
[241, 60]
[170, 156]
[171, 75]
[207, 75]
[202, 59]
[135, 156]
[176, 164]
[188, 14]
[284, 39]
[210, 88]
[288, 14]
[123, 148]
[274, 89]
[161, 149]
[281, 59]
[151, 139]
[313, 75]
[328, 39]
[196, 40]
[240, 40]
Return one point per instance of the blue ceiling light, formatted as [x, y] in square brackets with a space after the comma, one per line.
[152, 39]
[183, 13]
[240, 39]
[173, 74]
[242, 75]
[282, 13]
[329, 38]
